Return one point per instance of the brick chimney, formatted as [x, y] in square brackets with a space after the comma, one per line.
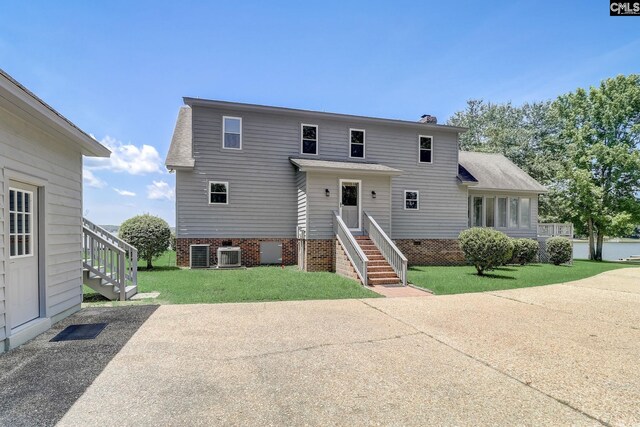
[427, 118]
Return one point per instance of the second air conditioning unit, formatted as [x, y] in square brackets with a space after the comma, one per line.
[228, 256]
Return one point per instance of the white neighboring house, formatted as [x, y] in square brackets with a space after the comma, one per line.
[41, 265]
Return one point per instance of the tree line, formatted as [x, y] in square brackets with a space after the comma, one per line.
[584, 146]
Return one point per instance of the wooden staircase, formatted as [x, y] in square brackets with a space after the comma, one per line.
[109, 264]
[379, 271]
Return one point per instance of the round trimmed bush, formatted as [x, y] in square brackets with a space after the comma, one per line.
[559, 250]
[149, 234]
[485, 248]
[525, 251]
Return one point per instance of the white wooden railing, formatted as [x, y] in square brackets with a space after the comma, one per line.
[387, 248]
[351, 247]
[555, 229]
[108, 257]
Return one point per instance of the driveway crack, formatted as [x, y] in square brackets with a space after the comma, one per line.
[488, 365]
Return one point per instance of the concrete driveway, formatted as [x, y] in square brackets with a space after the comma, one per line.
[554, 355]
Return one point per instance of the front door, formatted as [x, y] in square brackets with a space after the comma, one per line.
[350, 203]
[23, 288]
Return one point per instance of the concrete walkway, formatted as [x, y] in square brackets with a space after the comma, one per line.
[554, 355]
[397, 291]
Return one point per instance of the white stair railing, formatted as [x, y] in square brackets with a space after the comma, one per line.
[555, 229]
[109, 258]
[387, 248]
[355, 254]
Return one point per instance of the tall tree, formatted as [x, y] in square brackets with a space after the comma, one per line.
[600, 180]
[524, 134]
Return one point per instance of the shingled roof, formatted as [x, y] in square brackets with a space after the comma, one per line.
[180, 151]
[496, 172]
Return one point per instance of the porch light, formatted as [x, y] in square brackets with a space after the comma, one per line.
[327, 192]
[373, 194]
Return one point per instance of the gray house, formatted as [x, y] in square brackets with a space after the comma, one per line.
[41, 229]
[362, 196]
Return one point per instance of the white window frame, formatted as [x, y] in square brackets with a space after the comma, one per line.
[226, 183]
[302, 125]
[224, 131]
[520, 210]
[31, 224]
[404, 200]
[473, 210]
[420, 148]
[364, 143]
[510, 213]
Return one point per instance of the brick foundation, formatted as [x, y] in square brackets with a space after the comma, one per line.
[431, 251]
[250, 249]
[320, 255]
[344, 267]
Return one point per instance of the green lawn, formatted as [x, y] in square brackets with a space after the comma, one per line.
[179, 286]
[458, 280]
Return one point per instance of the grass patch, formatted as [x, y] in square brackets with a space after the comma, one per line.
[463, 279]
[179, 286]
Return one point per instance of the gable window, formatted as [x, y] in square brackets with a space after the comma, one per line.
[411, 200]
[356, 143]
[232, 133]
[426, 149]
[218, 193]
[309, 139]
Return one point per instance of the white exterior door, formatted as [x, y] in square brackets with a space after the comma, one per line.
[350, 203]
[23, 287]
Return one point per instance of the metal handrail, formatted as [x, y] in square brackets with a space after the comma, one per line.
[355, 254]
[388, 249]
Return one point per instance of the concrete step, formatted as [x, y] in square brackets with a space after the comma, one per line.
[383, 281]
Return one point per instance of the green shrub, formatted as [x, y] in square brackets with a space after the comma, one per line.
[559, 250]
[485, 248]
[525, 251]
[149, 234]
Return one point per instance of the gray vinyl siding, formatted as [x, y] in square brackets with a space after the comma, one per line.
[321, 207]
[530, 232]
[30, 151]
[301, 184]
[263, 200]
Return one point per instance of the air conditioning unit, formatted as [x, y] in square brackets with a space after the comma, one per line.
[199, 256]
[228, 256]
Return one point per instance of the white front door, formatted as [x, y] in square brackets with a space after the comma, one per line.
[23, 286]
[350, 203]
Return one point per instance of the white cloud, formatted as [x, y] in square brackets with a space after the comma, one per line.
[160, 190]
[91, 180]
[124, 192]
[127, 158]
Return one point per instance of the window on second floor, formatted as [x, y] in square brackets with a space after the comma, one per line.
[356, 143]
[232, 133]
[426, 149]
[309, 143]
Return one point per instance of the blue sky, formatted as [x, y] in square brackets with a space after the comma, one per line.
[119, 69]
